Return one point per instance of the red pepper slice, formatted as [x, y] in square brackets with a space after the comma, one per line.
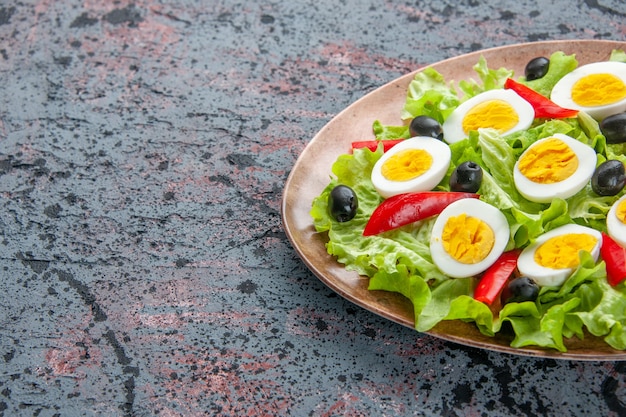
[402, 209]
[544, 107]
[614, 257]
[372, 145]
[495, 277]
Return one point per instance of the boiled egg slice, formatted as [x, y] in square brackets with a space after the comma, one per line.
[503, 110]
[416, 164]
[467, 237]
[554, 256]
[616, 221]
[556, 166]
[599, 89]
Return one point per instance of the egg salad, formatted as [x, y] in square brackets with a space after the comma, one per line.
[529, 160]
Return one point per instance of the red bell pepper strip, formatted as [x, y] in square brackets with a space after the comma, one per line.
[372, 145]
[614, 257]
[496, 276]
[544, 107]
[402, 209]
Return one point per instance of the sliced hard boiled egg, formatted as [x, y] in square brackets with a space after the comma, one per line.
[599, 89]
[616, 221]
[556, 166]
[467, 237]
[554, 256]
[503, 110]
[416, 164]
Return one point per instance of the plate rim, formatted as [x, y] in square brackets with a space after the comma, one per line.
[439, 331]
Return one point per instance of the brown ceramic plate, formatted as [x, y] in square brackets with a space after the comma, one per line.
[311, 174]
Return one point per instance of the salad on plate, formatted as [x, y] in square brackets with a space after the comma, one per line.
[500, 202]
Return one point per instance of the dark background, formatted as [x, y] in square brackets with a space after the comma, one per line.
[143, 267]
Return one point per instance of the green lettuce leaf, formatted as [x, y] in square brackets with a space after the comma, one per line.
[490, 79]
[618, 55]
[608, 316]
[441, 303]
[413, 287]
[429, 94]
[383, 132]
[466, 308]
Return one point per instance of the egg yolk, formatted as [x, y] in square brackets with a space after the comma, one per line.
[407, 164]
[548, 162]
[496, 114]
[561, 252]
[598, 89]
[620, 213]
[467, 239]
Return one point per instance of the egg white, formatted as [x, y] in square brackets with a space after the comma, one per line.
[615, 228]
[544, 193]
[548, 277]
[473, 208]
[562, 91]
[453, 125]
[440, 153]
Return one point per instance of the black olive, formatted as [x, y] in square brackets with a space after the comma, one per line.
[614, 128]
[521, 289]
[536, 68]
[426, 126]
[609, 178]
[342, 203]
[467, 177]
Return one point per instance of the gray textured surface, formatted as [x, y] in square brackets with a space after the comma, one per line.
[144, 271]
